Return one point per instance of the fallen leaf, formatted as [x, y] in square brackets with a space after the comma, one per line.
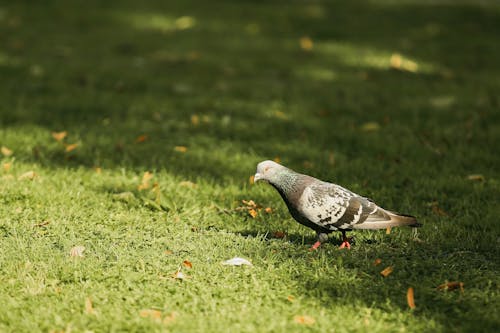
[71, 147]
[249, 203]
[179, 275]
[98, 170]
[477, 177]
[27, 175]
[237, 261]
[145, 183]
[306, 43]
[88, 306]
[279, 234]
[59, 136]
[195, 120]
[187, 264]
[150, 313]
[410, 299]
[141, 138]
[170, 318]
[6, 151]
[449, 286]
[77, 251]
[187, 183]
[168, 252]
[388, 230]
[377, 262]
[386, 271]
[180, 149]
[268, 210]
[304, 320]
[290, 298]
[370, 126]
[251, 180]
[6, 167]
[438, 211]
[253, 213]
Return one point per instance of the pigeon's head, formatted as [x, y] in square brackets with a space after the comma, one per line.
[268, 171]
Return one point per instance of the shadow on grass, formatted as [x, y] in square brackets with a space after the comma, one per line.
[233, 85]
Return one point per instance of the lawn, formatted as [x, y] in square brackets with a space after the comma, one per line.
[130, 129]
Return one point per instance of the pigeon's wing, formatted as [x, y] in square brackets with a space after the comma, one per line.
[333, 207]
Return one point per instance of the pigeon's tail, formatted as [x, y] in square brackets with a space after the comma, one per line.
[382, 219]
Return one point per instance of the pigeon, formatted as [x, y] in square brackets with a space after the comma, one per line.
[327, 207]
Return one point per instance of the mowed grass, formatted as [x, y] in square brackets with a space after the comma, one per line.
[396, 100]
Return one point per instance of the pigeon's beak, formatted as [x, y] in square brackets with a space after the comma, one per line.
[257, 177]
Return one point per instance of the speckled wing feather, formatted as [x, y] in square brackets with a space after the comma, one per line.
[333, 207]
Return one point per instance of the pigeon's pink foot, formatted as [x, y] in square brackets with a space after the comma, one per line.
[345, 244]
[315, 246]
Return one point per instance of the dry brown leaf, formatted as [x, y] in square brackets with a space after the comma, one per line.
[290, 298]
[476, 177]
[27, 175]
[59, 136]
[388, 230]
[71, 147]
[377, 262]
[306, 43]
[251, 180]
[187, 264]
[438, 211]
[410, 299]
[449, 286]
[304, 320]
[386, 271]
[88, 306]
[249, 203]
[141, 138]
[268, 210]
[180, 149]
[279, 234]
[7, 166]
[253, 213]
[6, 151]
[77, 251]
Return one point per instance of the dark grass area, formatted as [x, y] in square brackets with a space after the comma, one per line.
[231, 83]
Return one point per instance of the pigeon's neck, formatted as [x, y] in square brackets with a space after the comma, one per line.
[288, 185]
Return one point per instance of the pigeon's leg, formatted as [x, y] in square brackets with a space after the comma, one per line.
[322, 237]
[345, 241]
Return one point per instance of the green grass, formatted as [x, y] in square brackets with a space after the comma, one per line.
[231, 83]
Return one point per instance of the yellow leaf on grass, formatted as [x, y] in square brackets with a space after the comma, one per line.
[6, 151]
[377, 262]
[145, 183]
[71, 147]
[88, 306]
[187, 264]
[306, 43]
[98, 170]
[268, 210]
[168, 252]
[386, 271]
[59, 136]
[304, 320]
[253, 213]
[370, 126]
[410, 299]
[290, 298]
[77, 251]
[251, 180]
[277, 159]
[27, 175]
[195, 120]
[180, 149]
[7, 166]
[388, 230]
